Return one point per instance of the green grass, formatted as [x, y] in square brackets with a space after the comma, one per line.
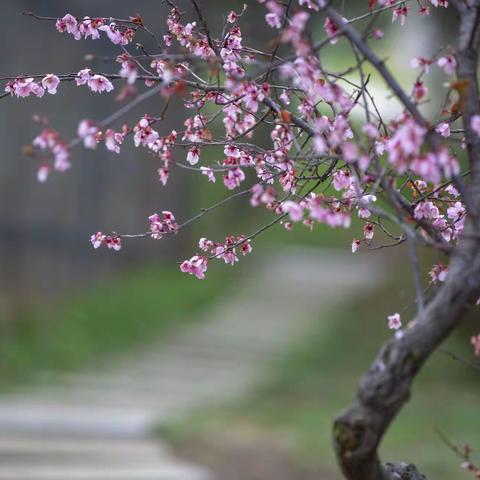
[113, 317]
[317, 378]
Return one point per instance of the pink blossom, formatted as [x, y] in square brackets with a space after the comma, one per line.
[232, 17]
[456, 212]
[294, 210]
[443, 129]
[421, 62]
[99, 84]
[50, 82]
[111, 242]
[208, 172]
[349, 152]
[355, 245]
[331, 29]
[163, 175]
[400, 13]
[116, 36]
[69, 24]
[273, 20]
[113, 140]
[97, 239]
[162, 225]
[426, 210]
[394, 321]
[368, 231]
[233, 178]
[197, 265]
[25, 87]
[438, 273]
[231, 151]
[341, 179]
[448, 64]
[83, 76]
[42, 173]
[88, 132]
[285, 98]
[370, 130]
[114, 243]
[193, 155]
[405, 143]
[89, 28]
[129, 71]
[419, 90]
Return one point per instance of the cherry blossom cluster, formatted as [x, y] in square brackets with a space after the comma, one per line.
[24, 87]
[162, 225]
[91, 27]
[50, 141]
[113, 242]
[314, 164]
[91, 134]
[226, 251]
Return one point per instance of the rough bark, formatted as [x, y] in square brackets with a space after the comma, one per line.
[385, 388]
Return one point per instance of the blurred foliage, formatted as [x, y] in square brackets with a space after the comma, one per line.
[109, 318]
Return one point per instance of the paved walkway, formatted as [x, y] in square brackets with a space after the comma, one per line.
[97, 425]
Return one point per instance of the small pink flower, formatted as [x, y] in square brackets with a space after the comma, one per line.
[368, 231]
[426, 210]
[233, 178]
[370, 130]
[294, 210]
[83, 76]
[99, 84]
[88, 131]
[163, 175]
[274, 20]
[42, 173]
[231, 151]
[193, 155]
[447, 64]
[113, 140]
[114, 243]
[285, 98]
[50, 83]
[443, 129]
[438, 273]
[69, 24]
[400, 13]
[208, 172]
[355, 245]
[24, 87]
[232, 17]
[394, 321]
[197, 266]
[341, 180]
[97, 239]
[419, 90]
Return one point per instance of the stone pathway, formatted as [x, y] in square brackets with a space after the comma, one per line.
[97, 425]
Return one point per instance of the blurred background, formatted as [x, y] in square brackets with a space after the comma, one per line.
[241, 373]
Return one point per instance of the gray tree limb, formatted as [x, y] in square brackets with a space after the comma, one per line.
[384, 390]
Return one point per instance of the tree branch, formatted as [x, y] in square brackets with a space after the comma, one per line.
[384, 390]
